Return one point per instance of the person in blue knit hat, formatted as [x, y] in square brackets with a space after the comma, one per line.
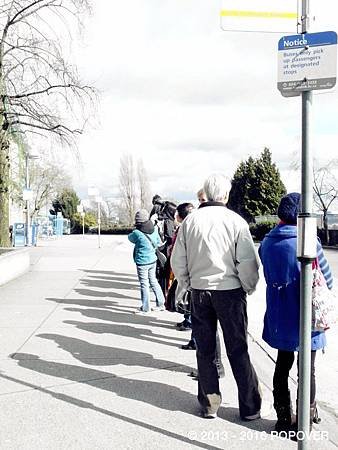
[281, 321]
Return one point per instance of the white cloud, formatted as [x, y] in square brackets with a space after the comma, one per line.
[188, 97]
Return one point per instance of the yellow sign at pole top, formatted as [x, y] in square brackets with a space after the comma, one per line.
[259, 15]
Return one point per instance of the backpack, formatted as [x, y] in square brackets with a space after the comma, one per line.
[167, 210]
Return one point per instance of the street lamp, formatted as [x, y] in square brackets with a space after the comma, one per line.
[98, 200]
[27, 193]
[95, 194]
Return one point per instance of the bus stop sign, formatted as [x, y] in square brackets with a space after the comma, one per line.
[307, 62]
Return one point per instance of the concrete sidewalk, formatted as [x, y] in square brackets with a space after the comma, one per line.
[79, 370]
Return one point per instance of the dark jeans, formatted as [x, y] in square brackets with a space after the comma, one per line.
[162, 275]
[218, 352]
[229, 307]
[284, 364]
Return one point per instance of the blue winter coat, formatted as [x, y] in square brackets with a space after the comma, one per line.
[144, 252]
[282, 276]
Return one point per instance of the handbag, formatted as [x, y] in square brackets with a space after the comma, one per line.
[162, 259]
[324, 301]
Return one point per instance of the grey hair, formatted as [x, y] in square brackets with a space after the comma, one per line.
[217, 188]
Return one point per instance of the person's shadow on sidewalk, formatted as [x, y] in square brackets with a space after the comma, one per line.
[113, 278]
[111, 273]
[114, 415]
[123, 317]
[100, 355]
[124, 330]
[160, 395]
[105, 304]
[110, 294]
[109, 284]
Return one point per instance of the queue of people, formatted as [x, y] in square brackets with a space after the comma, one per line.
[212, 256]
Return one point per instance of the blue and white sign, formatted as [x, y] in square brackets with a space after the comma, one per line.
[307, 62]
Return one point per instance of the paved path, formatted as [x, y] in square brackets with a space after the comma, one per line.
[80, 371]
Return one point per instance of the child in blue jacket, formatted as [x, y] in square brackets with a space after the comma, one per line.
[145, 237]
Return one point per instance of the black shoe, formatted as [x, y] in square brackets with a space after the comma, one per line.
[185, 323]
[283, 407]
[184, 328]
[189, 346]
[193, 374]
[206, 415]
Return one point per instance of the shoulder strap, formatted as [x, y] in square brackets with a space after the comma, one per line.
[149, 240]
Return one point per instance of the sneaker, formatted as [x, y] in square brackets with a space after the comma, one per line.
[210, 412]
[265, 411]
[179, 324]
[206, 415]
[158, 308]
[140, 312]
[253, 416]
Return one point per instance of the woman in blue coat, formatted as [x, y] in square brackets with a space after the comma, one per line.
[146, 238]
[281, 320]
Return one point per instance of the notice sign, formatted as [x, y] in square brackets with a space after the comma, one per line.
[259, 15]
[307, 62]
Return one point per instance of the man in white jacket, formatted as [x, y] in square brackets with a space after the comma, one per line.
[214, 254]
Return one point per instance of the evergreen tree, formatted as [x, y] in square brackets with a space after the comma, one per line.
[256, 187]
[66, 202]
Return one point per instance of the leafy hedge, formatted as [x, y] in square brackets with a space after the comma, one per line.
[112, 230]
[117, 230]
[259, 230]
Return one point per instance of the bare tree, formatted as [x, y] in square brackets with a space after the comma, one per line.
[325, 188]
[47, 180]
[127, 187]
[111, 210]
[143, 185]
[40, 92]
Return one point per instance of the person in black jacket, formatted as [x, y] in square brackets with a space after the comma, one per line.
[165, 211]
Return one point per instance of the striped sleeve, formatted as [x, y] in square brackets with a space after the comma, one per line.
[324, 266]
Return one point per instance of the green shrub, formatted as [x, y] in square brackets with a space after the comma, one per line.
[116, 230]
[259, 230]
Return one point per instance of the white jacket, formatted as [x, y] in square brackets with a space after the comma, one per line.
[214, 250]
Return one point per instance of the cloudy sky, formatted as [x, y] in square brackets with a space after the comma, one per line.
[190, 98]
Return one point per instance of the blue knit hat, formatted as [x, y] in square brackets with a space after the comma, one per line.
[289, 207]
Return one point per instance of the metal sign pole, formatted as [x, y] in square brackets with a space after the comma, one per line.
[99, 222]
[27, 200]
[306, 267]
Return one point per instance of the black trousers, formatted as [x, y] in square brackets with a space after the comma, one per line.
[229, 307]
[284, 364]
